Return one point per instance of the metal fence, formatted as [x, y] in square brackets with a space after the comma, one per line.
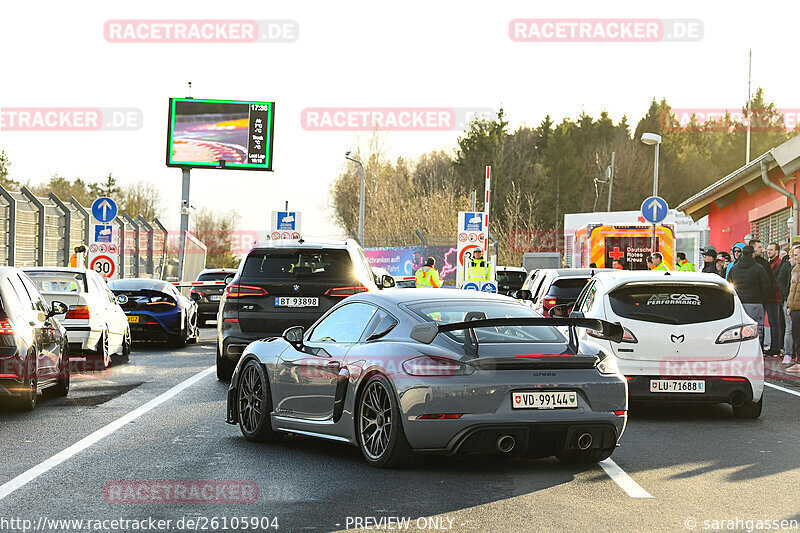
[43, 231]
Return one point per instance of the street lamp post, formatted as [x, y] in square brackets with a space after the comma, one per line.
[653, 139]
[360, 170]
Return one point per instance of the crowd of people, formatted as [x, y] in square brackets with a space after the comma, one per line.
[768, 284]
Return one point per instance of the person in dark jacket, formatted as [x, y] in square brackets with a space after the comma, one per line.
[736, 253]
[772, 303]
[752, 285]
[709, 260]
[783, 280]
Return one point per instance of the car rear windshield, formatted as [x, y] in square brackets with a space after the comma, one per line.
[456, 311]
[214, 276]
[567, 288]
[511, 278]
[673, 304]
[299, 264]
[54, 281]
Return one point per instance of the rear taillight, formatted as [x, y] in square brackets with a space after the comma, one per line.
[241, 291]
[441, 416]
[199, 293]
[627, 335]
[6, 328]
[344, 292]
[429, 365]
[549, 302]
[162, 304]
[78, 312]
[738, 334]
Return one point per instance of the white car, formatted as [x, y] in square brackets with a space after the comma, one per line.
[94, 320]
[687, 337]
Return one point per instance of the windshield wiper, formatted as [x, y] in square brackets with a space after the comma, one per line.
[657, 318]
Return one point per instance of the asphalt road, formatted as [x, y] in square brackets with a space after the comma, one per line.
[132, 425]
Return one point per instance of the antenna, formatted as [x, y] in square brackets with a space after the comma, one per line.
[188, 89]
[747, 114]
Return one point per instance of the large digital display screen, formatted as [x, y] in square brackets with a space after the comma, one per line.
[230, 134]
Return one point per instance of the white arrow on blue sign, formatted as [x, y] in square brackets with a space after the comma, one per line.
[654, 209]
[104, 209]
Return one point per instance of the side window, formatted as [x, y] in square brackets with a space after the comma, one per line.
[587, 297]
[538, 285]
[346, 324]
[11, 300]
[22, 293]
[381, 324]
[39, 303]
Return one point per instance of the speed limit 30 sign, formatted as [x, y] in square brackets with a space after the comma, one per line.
[103, 265]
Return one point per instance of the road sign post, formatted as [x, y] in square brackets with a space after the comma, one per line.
[103, 252]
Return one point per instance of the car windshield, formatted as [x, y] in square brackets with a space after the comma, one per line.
[511, 278]
[567, 288]
[54, 281]
[449, 311]
[214, 276]
[673, 304]
[293, 264]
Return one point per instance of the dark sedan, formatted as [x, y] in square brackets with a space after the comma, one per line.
[209, 294]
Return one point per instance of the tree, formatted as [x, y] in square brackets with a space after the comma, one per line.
[107, 188]
[140, 199]
[5, 181]
[216, 231]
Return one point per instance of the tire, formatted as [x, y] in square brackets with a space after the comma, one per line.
[224, 367]
[584, 456]
[61, 388]
[126, 346]
[381, 448]
[254, 404]
[749, 410]
[27, 400]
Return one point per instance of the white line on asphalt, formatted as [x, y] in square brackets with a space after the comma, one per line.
[32, 473]
[782, 389]
[626, 482]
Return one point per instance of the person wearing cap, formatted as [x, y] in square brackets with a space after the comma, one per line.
[752, 284]
[736, 253]
[723, 258]
[684, 265]
[428, 277]
[709, 260]
[478, 269]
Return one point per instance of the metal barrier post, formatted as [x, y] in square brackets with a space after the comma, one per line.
[12, 224]
[67, 226]
[158, 226]
[42, 224]
[135, 265]
[149, 265]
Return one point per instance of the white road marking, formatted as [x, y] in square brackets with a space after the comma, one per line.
[621, 478]
[782, 389]
[32, 473]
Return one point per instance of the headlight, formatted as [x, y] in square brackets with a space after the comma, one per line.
[608, 365]
[429, 365]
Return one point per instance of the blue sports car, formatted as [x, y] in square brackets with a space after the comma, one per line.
[157, 311]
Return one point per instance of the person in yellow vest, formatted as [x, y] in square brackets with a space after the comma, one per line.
[427, 276]
[479, 269]
[80, 253]
[684, 264]
[658, 262]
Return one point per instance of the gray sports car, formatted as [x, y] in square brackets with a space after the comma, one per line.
[400, 373]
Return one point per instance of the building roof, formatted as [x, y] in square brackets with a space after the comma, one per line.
[785, 156]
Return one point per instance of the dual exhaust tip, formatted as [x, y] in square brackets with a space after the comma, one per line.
[506, 443]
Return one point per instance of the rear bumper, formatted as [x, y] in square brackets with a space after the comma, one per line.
[207, 309]
[717, 390]
[82, 338]
[152, 328]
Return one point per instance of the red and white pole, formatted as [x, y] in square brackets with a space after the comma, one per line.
[486, 209]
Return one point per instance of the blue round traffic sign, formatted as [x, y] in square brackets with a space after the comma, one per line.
[654, 209]
[104, 209]
[470, 286]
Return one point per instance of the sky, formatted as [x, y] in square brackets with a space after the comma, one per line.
[415, 54]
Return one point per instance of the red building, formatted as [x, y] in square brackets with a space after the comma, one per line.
[759, 199]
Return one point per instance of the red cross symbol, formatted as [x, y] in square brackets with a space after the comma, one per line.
[616, 254]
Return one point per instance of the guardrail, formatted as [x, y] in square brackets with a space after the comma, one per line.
[43, 231]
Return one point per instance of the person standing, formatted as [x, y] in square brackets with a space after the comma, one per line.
[616, 265]
[793, 303]
[479, 270]
[736, 253]
[428, 276]
[658, 262]
[709, 260]
[752, 285]
[78, 259]
[769, 296]
[783, 281]
[684, 265]
[772, 303]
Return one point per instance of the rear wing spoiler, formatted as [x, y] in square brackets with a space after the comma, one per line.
[425, 333]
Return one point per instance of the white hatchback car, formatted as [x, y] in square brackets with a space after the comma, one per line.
[94, 320]
[687, 337]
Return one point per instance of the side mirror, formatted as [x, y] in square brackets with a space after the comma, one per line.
[194, 296]
[561, 310]
[523, 294]
[228, 279]
[57, 308]
[294, 336]
[387, 282]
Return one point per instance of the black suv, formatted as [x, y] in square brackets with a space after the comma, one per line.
[287, 283]
[209, 295]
